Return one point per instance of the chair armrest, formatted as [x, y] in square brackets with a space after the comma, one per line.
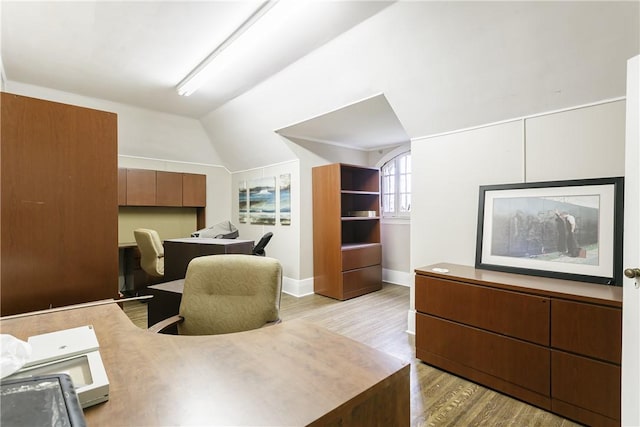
[275, 322]
[166, 323]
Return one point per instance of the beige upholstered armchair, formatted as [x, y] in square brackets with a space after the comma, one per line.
[228, 293]
[151, 251]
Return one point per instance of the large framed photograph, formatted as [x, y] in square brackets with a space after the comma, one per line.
[563, 229]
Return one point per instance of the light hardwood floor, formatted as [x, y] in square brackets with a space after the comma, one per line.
[379, 320]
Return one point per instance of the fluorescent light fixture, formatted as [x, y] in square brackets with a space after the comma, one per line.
[195, 79]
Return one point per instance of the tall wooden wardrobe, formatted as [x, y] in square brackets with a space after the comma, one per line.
[59, 217]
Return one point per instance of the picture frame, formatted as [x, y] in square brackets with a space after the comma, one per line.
[561, 229]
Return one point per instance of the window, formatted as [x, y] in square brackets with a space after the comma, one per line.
[396, 186]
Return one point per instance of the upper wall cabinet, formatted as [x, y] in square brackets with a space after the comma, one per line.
[141, 187]
[194, 190]
[168, 189]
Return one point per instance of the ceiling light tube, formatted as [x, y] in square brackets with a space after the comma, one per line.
[194, 80]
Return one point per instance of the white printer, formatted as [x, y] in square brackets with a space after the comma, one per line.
[74, 352]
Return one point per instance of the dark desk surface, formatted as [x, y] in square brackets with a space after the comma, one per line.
[165, 302]
[291, 374]
[179, 252]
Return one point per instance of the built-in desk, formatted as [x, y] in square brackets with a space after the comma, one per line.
[133, 277]
[165, 302]
[291, 374]
[179, 252]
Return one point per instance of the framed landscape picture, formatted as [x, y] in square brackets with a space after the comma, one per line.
[562, 229]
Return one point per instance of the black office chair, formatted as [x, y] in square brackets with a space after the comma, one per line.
[259, 248]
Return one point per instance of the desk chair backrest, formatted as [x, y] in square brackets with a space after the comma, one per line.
[259, 248]
[151, 251]
[230, 293]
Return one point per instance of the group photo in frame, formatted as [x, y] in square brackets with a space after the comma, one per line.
[561, 229]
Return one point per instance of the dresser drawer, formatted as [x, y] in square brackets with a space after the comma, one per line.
[513, 361]
[585, 383]
[359, 256]
[587, 329]
[361, 281]
[510, 313]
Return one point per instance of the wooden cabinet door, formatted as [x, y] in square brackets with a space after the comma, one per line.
[583, 387]
[194, 190]
[141, 187]
[168, 189]
[587, 329]
[122, 187]
[59, 204]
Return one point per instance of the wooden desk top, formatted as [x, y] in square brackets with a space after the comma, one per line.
[209, 241]
[545, 286]
[294, 373]
[176, 286]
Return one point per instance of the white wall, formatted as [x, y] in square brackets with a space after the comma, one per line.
[153, 140]
[442, 66]
[311, 154]
[286, 238]
[453, 166]
[580, 150]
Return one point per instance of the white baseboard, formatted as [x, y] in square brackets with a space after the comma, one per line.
[411, 322]
[397, 277]
[300, 288]
[297, 288]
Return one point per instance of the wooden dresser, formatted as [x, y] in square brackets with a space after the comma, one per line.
[553, 343]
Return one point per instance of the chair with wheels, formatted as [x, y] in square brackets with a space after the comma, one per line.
[151, 251]
[259, 248]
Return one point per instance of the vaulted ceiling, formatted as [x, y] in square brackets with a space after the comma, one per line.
[136, 52]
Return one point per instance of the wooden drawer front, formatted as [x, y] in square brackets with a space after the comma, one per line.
[361, 281]
[516, 362]
[509, 313]
[587, 329]
[359, 257]
[586, 383]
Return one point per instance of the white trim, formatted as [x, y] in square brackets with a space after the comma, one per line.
[173, 161]
[411, 322]
[3, 75]
[405, 147]
[397, 277]
[395, 220]
[516, 119]
[266, 166]
[297, 288]
[341, 145]
[327, 112]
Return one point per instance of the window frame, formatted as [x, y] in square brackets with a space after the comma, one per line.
[395, 213]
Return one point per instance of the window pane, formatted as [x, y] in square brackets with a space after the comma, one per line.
[396, 186]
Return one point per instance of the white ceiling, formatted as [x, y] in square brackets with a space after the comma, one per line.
[368, 124]
[137, 52]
